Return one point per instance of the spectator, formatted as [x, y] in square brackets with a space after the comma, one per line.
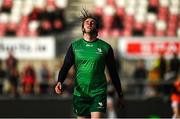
[12, 73]
[36, 14]
[162, 67]
[11, 61]
[13, 78]
[140, 74]
[44, 78]
[2, 76]
[118, 22]
[29, 80]
[153, 87]
[45, 28]
[59, 14]
[175, 64]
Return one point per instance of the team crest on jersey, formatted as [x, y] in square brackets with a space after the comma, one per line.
[100, 105]
[99, 50]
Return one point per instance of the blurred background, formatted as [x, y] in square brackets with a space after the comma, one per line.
[35, 35]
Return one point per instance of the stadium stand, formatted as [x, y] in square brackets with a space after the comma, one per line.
[117, 17]
[140, 18]
[42, 17]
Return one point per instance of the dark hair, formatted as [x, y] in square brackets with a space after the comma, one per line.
[86, 15]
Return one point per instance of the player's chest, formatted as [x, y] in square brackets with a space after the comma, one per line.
[90, 53]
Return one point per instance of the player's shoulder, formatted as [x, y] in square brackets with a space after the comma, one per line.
[76, 41]
[104, 43]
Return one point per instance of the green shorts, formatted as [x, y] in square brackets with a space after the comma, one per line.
[83, 106]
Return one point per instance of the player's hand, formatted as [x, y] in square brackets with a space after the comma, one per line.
[58, 88]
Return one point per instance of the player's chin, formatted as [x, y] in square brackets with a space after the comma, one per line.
[88, 31]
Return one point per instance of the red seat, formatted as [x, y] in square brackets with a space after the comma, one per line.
[128, 22]
[173, 18]
[51, 3]
[172, 25]
[111, 2]
[154, 3]
[150, 26]
[120, 11]
[32, 33]
[98, 11]
[171, 33]
[163, 17]
[21, 32]
[149, 32]
[107, 21]
[129, 19]
[163, 10]
[138, 25]
[163, 13]
[3, 28]
[12, 27]
[115, 32]
[127, 32]
[160, 33]
[7, 3]
[2, 32]
[104, 33]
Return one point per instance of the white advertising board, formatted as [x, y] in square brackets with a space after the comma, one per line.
[28, 48]
[148, 48]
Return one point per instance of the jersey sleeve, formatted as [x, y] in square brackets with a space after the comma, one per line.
[68, 62]
[110, 62]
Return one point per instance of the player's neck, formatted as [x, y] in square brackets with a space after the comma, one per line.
[89, 37]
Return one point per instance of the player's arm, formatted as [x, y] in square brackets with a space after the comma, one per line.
[68, 62]
[110, 62]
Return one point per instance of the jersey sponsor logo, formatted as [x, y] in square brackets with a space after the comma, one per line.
[79, 50]
[89, 45]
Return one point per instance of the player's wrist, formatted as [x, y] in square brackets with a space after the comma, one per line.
[59, 82]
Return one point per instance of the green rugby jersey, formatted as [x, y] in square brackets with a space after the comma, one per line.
[89, 66]
[90, 59]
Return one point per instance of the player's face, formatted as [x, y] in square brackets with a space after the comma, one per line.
[89, 25]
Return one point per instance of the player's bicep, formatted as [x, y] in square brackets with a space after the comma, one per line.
[110, 60]
[69, 58]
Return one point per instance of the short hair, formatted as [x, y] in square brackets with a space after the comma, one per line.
[86, 15]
